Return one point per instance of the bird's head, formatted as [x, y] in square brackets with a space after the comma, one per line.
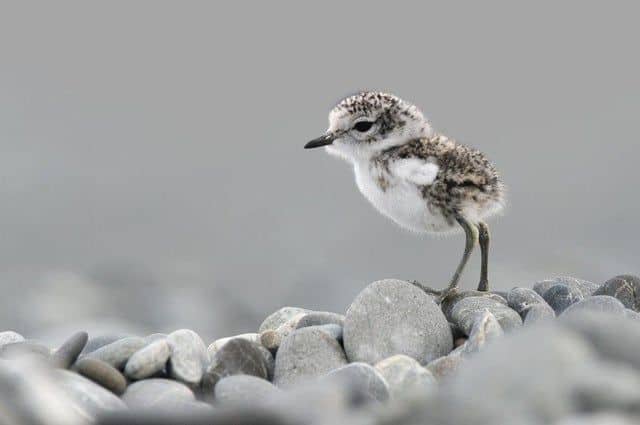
[369, 122]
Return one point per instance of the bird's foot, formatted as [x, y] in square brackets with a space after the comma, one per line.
[439, 294]
[483, 286]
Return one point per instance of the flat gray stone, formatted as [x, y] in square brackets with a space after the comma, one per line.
[100, 341]
[102, 373]
[317, 318]
[69, 351]
[365, 382]
[405, 377]
[148, 360]
[118, 352]
[625, 288]
[485, 330]
[395, 317]
[156, 393]
[561, 296]
[280, 317]
[520, 299]
[598, 303]
[305, 354]
[537, 313]
[26, 348]
[449, 302]
[245, 390]
[90, 398]
[219, 343]
[8, 337]
[236, 357]
[188, 357]
[334, 331]
[465, 311]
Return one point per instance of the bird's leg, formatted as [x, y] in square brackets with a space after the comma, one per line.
[483, 238]
[471, 232]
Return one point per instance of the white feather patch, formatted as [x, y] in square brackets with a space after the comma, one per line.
[415, 170]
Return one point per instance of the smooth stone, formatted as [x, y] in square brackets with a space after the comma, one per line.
[449, 302]
[395, 317]
[305, 354]
[280, 317]
[602, 303]
[317, 318]
[100, 341]
[625, 288]
[520, 299]
[90, 398]
[485, 330]
[102, 373]
[584, 287]
[8, 337]
[69, 351]
[148, 360]
[561, 296]
[537, 313]
[236, 357]
[156, 393]
[405, 376]
[365, 383]
[465, 311]
[219, 343]
[244, 389]
[334, 331]
[26, 348]
[188, 356]
[154, 337]
[118, 352]
[445, 366]
[272, 338]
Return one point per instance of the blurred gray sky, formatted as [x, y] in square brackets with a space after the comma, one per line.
[153, 176]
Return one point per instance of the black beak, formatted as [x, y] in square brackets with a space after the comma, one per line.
[325, 140]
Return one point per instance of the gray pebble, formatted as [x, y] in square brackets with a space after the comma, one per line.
[334, 331]
[307, 353]
[100, 341]
[148, 360]
[395, 317]
[466, 310]
[118, 352]
[218, 343]
[102, 373]
[602, 303]
[280, 317]
[156, 393]
[405, 377]
[188, 356]
[561, 296]
[272, 338]
[27, 348]
[8, 337]
[154, 337]
[625, 288]
[449, 302]
[446, 365]
[244, 389]
[584, 287]
[537, 313]
[485, 330]
[364, 382]
[69, 351]
[317, 318]
[520, 299]
[89, 398]
[236, 357]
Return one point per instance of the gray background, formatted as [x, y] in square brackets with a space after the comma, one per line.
[153, 176]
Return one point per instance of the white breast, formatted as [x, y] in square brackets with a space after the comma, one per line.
[401, 201]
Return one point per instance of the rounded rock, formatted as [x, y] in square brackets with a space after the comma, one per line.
[465, 312]
[102, 373]
[118, 352]
[148, 360]
[445, 365]
[537, 313]
[244, 389]
[89, 397]
[236, 357]
[395, 317]
[280, 317]
[625, 288]
[306, 353]
[365, 382]
[8, 337]
[69, 351]
[485, 330]
[27, 348]
[156, 393]
[600, 303]
[561, 296]
[450, 301]
[100, 341]
[405, 376]
[318, 318]
[520, 299]
[188, 356]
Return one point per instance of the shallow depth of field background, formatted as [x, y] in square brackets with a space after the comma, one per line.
[153, 176]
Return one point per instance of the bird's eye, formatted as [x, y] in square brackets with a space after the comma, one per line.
[363, 126]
